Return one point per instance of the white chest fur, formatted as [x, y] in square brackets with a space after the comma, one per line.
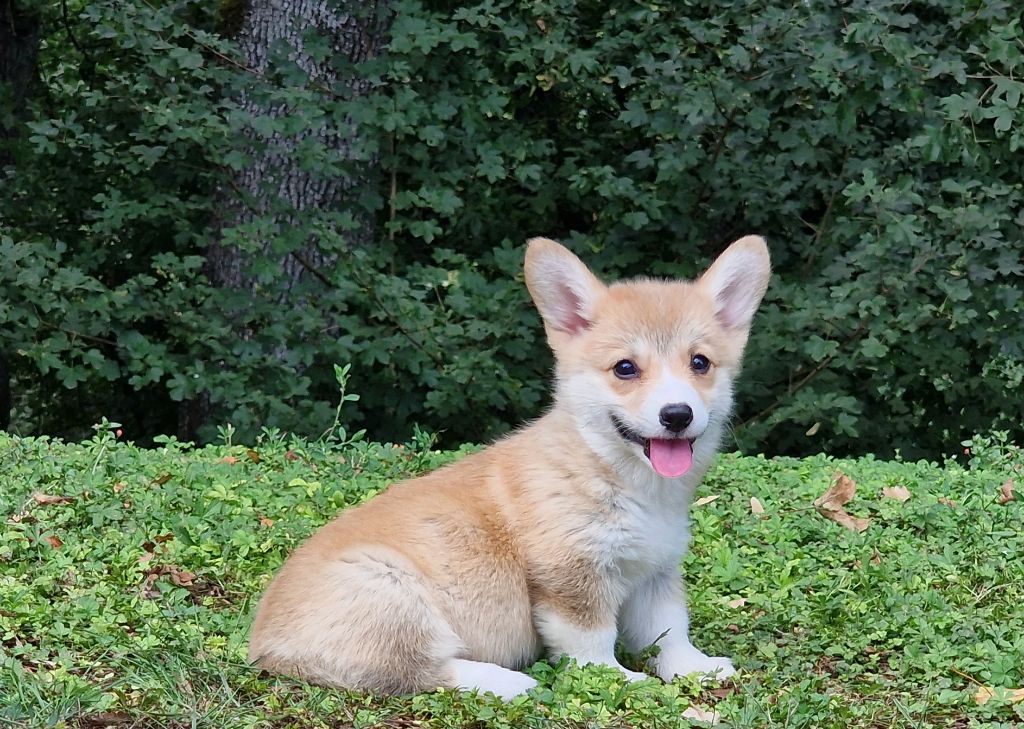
[639, 532]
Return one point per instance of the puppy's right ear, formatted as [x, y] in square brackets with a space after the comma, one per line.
[565, 291]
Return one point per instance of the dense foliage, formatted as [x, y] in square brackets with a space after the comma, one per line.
[878, 145]
[128, 579]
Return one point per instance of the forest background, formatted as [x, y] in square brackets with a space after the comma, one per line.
[206, 207]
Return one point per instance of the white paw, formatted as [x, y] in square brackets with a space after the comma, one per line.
[633, 675]
[511, 686]
[480, 677]
[710, 667]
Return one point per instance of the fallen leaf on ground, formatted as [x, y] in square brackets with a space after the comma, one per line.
[104, 719]
[830, 504]
[150, 544]
[55, 541]
[47, 499]
[985, 693]
[738, 602]
[699, 713]
[899, 493]
[230, 460]
[947, 502]
[266, 521]
[706, 500]
[177, 576]
[840, 491]
[161, 480]
[253, 456]
[1006, 491]
[755, 505]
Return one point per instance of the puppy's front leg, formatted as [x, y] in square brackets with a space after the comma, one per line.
[658, 610]
[587, 638]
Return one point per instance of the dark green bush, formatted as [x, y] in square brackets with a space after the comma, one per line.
[876, 144]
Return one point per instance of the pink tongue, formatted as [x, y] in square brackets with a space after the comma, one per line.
[671, 457]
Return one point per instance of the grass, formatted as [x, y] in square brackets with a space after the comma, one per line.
[128, 579]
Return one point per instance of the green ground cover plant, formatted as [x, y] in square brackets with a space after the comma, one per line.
[128, 577]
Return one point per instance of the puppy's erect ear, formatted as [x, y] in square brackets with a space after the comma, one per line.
[564, 290]
[737, 280]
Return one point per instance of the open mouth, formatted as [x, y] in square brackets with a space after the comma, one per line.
[670, 457]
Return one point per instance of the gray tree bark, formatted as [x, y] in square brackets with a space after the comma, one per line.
[355, 31]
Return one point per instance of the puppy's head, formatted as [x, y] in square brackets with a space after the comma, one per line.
[645, 366]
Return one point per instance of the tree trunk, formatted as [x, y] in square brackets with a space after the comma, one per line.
[274, 189]
[19, 52]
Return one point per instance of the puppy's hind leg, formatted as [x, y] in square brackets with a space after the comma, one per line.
[364, 620]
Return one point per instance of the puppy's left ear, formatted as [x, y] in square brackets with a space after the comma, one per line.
[737, 280]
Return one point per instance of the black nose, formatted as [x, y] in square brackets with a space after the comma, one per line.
[676, 416]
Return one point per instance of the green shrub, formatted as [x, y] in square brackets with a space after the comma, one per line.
[875, 144]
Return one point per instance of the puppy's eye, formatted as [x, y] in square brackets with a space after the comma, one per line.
[700, 364]
[625, 369]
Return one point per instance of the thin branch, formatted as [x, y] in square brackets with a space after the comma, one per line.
[78, 335]
[394, 193]
[70, 34]
[857, 333]
[307, 264]
[395, 321]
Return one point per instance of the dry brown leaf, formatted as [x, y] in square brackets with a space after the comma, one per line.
[291, 455]
[253, 456]
[737, 603]
[104, 719]
[1006, 491]
[947, 502]
[119, 487]
[55, 541]
[230, 460]
[180, 577]
[755, 506]
[853, 523]
[266, 521]
[699, 713]
[985, 693]
[840, 491]
[898, 493]
[177, 576]
[47, 499]
[830, 504]
[706, 500]
[161, 480]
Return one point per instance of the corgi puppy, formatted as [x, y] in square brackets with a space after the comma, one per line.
[561, 538]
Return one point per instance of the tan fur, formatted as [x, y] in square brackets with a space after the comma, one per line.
[476, 560]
